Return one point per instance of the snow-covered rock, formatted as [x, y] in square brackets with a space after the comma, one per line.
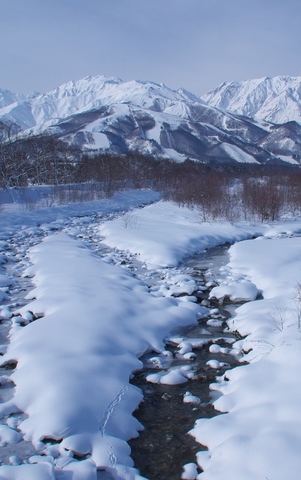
[189, 398]
[190, 471]
[235, 291]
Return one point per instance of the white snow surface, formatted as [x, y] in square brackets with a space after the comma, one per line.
[237, 154]
[272, 99]
[89, 93]
[237, 292]
[260, 436]
[163, 234]
[97, 318]
[190, 471]
[14, 217]
[7, 97]
[74, 363]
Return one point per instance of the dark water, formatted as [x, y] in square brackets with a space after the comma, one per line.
[164, 446]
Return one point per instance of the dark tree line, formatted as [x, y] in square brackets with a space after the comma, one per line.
[252, 193]
[218, 191]
[36, 160]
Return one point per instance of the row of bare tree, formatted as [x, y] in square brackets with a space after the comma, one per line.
[262, 194]
[218, 192]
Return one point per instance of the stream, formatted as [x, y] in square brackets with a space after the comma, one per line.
[164, 445]
[167, 412]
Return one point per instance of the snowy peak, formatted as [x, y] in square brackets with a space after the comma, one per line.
[7, 97]
[42, 110]
[273, 99]
[190, 97]
[87, 88]
[107, 114]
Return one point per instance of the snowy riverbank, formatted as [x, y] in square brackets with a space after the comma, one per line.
[74, 363]
[259, 436]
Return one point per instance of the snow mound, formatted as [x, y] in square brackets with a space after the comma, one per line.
[190, 471]
[74, 364]
[41, 471]
[236, 292]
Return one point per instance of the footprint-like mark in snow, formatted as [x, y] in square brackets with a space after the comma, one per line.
[107, 415]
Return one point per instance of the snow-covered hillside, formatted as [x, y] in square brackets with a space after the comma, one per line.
[7, 97]
[89, 94]
[106, 114]
[273, 99]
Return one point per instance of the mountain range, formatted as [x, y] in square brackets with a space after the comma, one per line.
[255, 121]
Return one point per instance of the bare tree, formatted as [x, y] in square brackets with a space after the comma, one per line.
[262, 197]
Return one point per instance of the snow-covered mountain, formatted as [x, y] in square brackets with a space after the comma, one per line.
[276, 99]
[7, 97]
[106, 114]
[88, 94]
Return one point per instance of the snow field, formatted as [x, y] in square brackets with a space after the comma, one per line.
[259, 436]
[74, 363]
[15, 219]
[164, 234]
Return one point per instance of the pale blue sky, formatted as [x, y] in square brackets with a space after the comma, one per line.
[195, 44]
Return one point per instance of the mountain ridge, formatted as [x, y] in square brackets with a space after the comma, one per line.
[272, 99]
[107, 114]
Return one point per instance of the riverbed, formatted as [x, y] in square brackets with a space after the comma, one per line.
[164, 445]
[167, 412]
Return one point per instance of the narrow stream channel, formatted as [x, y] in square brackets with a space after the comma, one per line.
[164, 445]
[14, 252]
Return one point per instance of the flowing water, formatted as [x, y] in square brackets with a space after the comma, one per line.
[164, 445]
